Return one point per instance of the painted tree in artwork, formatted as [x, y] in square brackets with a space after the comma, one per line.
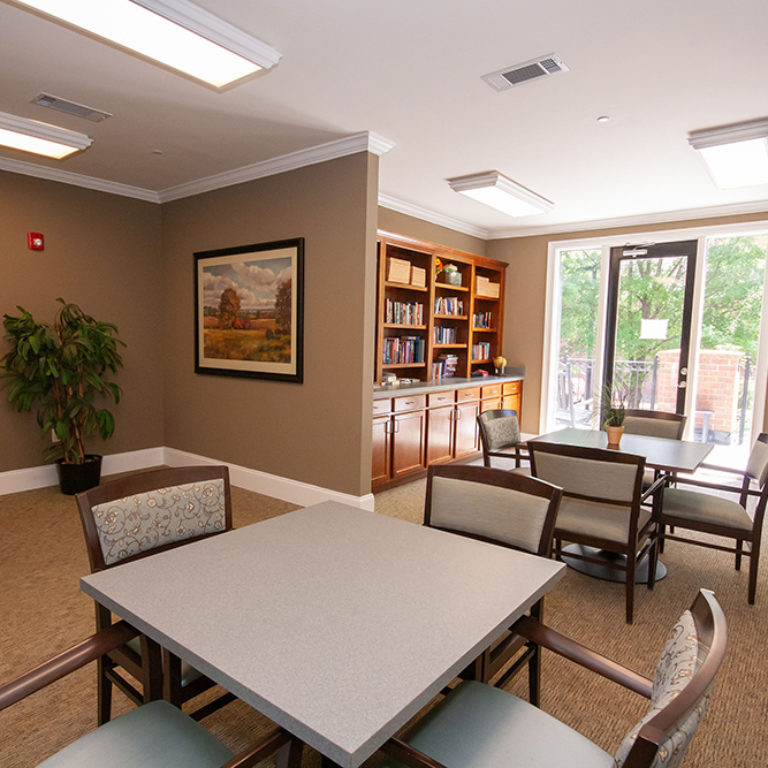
[229, 307]
[283, 306]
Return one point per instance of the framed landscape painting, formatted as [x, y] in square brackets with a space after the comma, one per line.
[249, 310]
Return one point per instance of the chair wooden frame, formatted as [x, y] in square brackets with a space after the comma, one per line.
[712, 631]
[124, 656]
[746, 543]
[641, 541]
[519, 454]
[513, 646]
[104, 642]
[639, 413]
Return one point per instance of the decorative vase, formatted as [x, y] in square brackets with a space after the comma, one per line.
[74, 478]
[614, 435]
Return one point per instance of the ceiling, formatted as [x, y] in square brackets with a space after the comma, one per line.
[410, 71]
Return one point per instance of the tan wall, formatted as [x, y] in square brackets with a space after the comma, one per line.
[103, 252]
[402, 224]
[524, 307]
[312, 431]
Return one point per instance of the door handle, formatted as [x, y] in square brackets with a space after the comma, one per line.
[683, 371]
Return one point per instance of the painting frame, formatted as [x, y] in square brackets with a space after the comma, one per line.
[257, 328]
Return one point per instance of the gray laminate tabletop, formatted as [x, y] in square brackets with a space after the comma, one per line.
[659, 452]
[337, 623]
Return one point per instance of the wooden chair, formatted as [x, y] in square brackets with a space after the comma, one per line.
[500, 436]
[504, 508]
[602, 508]
[156, 735]
[714, 513]
[654, 423]
[478, 726]
[136, 516]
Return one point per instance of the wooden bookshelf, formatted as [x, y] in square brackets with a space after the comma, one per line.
[460, 310]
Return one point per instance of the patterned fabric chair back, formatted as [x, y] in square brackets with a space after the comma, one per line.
[502, 433]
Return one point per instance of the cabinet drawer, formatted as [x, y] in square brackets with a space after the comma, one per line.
[441, 398]
[412, 403]
[493, 391]
[469, 393]
[513, 387]
[381, 407]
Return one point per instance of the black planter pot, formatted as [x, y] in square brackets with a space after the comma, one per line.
[74, 478]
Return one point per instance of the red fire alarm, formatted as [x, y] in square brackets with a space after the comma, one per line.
[35, 241]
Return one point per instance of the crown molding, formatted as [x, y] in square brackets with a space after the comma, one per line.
[77, 179]
[349, 145]
[411, 209]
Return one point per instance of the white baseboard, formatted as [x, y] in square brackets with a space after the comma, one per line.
[293, 491]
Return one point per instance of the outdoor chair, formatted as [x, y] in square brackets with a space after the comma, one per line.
[716, 513]
[156, 735]
[504, 508]
[133, 517]
[500, 437]
[479, 726]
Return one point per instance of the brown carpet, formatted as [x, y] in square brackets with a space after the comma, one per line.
[43, 611]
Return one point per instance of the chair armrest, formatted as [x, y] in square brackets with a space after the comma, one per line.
[273, 742]
[408, 755]
[59, 666]
[659, 482]
[714, 486]
[564, 646]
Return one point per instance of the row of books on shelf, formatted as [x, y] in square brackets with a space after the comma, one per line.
[401, 350]
[481, 351]
[445, 367]
[444, 335]
[403, 312]
[449, 305]
[482, 320]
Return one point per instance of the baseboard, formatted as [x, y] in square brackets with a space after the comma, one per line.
[293, 491]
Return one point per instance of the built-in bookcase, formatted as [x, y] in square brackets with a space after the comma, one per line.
[439, 310]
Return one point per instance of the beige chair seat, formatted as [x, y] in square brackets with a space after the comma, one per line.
[597, 520]
[706, 508]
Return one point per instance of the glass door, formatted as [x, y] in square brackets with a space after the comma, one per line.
[648, 325]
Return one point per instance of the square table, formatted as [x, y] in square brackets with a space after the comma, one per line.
[338, 624]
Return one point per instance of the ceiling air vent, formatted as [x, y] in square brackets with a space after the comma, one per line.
[71, 108]
[523, 73]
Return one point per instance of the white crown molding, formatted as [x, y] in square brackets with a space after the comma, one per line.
[77, 179]
[411, 209]
[349, 145]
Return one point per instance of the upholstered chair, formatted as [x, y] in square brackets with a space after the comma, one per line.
[504, 508]
[479, 726]
[500, 437]
[136, 516]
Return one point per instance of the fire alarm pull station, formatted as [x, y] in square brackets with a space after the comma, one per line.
[35, 241]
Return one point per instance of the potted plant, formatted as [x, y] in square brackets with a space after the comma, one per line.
[64, 368]
[613, 410]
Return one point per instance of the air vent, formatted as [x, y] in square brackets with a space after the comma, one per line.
[524, 72]
[71, 108]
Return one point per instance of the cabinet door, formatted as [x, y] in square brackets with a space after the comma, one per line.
[466, 436]
[408, 443]
[440, 434]
[382, 450]
[513, 397]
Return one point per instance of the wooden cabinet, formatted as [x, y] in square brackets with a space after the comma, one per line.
[440, 424]
[512, 396]
[439, 310]
[381, 460]
[467, 411]
[408, 434]
[490, 398]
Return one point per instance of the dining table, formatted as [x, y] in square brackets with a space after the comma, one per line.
[662, 454]
[337, 623]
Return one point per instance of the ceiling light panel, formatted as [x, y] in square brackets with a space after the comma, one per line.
[40, 138]
[497, 191]
[176, 33]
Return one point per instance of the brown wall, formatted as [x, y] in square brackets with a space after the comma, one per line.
[102, 251]
[313, 431]
[524, 307]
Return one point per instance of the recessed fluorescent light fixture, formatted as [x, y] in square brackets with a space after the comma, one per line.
[40, 138]
[501, 193]
[176, 33]
[736, 155]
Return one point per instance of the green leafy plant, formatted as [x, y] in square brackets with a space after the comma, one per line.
[63, 368]
[613, 406]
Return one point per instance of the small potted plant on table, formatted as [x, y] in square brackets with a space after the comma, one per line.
[613, 416]
[63, 368]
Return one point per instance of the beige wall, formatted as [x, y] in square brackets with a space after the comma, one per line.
[524, 307]
[402, 224]
[103, 252]
[317, 432]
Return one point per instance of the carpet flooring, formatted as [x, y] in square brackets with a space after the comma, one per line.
[42, 611]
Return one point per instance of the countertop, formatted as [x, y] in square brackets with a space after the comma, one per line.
[421, 387]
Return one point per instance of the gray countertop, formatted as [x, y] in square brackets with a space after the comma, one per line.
[421, 387]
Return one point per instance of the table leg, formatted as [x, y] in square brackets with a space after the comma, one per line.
[603, 570]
